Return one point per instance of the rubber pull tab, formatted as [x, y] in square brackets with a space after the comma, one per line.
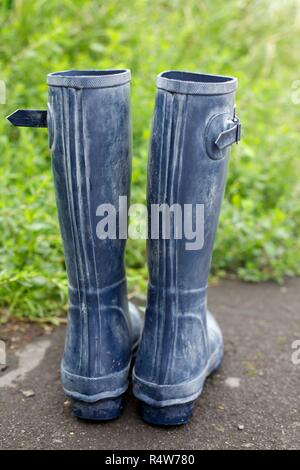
[28, 118]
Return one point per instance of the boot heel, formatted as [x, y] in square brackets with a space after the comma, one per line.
[102, 410]
[167, 415]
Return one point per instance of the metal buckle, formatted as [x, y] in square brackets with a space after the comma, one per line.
[236, 120]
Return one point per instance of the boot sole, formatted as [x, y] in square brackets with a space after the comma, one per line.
[173, 415]
[102, 410]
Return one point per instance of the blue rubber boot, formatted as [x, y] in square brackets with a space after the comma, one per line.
[88, 120]
[194, 125]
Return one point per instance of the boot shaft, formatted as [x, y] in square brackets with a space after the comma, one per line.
[90, 139]
[187, 169]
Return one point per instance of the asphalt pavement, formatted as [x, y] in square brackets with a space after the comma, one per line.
[252, 402]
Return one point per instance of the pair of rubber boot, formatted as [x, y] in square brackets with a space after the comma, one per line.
[88, 121]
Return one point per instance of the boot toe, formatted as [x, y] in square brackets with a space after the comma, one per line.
[216, 344]
[136, 324]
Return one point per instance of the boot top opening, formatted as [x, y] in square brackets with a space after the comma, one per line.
[196, 83]
[89, 78]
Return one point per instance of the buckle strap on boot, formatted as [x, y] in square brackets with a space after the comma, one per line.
[231, 135]
[221, 132]
[28, 118]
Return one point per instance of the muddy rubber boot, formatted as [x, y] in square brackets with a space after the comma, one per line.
[88, 120]
[194, 125]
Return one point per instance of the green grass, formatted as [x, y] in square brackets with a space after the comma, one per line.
[258, 41]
